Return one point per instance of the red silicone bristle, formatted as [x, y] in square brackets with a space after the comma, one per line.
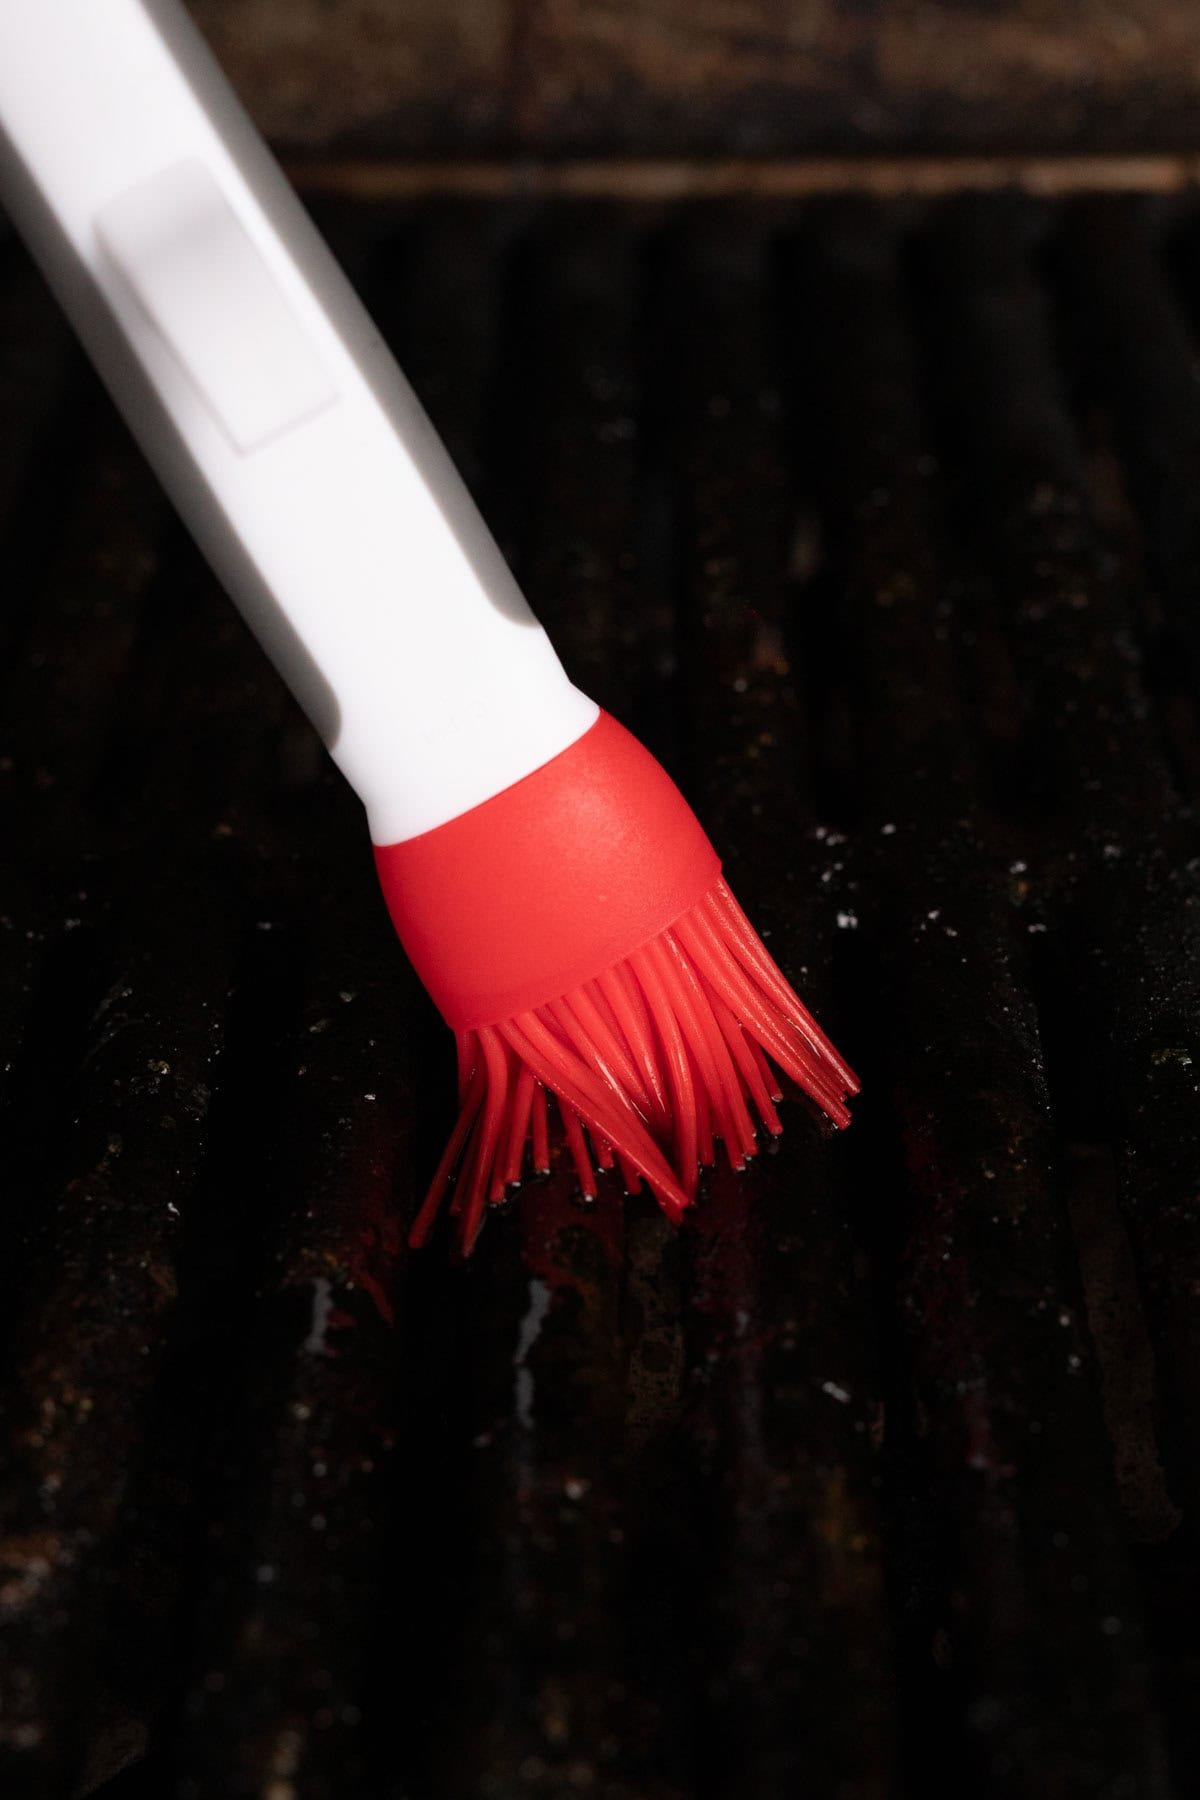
[519, 1125]
[579, 1154]
[777, 1033]
[738, 1127]
[650, 1059]
[631, 1181]
[754, 1070]
[679, 1073]
[705, 1154]
[770, 1080]
[540, 1131]
[607, 1112]
[622, 991]
[488, 1134]
[589, 1025]
[450, 1155]
[752, 952]
[644, 1079]
[588, 1037]
[699, 1052]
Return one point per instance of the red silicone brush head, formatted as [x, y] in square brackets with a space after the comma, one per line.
[577, 936]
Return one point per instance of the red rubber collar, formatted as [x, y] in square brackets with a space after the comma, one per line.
[548, 883]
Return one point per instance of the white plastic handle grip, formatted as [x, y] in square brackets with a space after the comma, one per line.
[277, 418]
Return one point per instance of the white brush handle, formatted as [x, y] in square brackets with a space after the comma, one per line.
[273, 411]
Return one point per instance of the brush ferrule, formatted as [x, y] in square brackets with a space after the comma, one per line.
[550, 882]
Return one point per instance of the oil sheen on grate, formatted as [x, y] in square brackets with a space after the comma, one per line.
[881, 525]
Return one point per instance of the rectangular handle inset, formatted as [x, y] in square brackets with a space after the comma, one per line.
[210, 296]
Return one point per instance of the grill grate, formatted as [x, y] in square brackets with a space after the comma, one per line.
[879, 522]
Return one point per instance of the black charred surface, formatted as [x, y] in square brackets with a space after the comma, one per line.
[879, 1478]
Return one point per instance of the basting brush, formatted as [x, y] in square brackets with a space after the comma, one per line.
[550, 884]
